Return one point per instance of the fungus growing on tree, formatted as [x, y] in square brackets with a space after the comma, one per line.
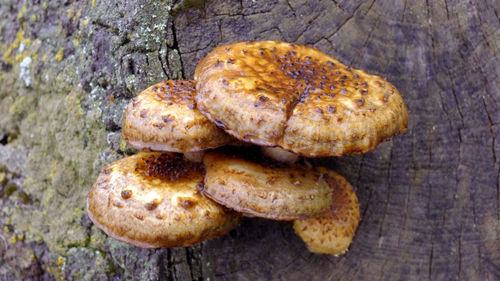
[332, 232]
[280, 94]
[260, 187]
[151, 200]
[164, 117]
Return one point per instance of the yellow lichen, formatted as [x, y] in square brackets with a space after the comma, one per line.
[60, 260]
[45, 57]
[13, 46]
[6, 229]
[20, 237]
[123, 145]
[34, 18]
[76, 42]
[13, 239]
[9, 221]
[44, 5]
[60, 55]
[17, 105]
[92, 6]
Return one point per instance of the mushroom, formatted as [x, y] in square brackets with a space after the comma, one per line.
[260, 187]
[151, 200]
[279, 94]
[332, 232]
[164, 117]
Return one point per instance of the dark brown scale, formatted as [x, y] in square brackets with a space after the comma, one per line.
[159, 125]
[118, 204]
[361, 102]
[167, 167]
[139, 216]
[154, 88]
[343, 91]
[186, 203]
[331, 109]
[218, 63]
[230, 60]
[364, 91]
[143, 113]
[263, 98]
[152, 205]
[356, 75]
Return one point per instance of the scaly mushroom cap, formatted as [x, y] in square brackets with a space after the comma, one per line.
[332, 232]
[275, 93]
[164, 117]
[261, 187]
[151, 200]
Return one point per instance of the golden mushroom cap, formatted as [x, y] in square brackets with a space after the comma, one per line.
[151, 200]
[332, 232]
[164, 117]
[263, 188]
[276, 93]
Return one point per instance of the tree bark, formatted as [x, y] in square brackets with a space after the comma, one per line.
[430, 199]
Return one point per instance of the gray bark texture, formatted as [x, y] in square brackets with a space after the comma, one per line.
[430, 199]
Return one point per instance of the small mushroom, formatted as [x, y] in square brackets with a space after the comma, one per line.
[332, 232]
[256, 186]
[280, 94]
[151, 200]
[164, 117]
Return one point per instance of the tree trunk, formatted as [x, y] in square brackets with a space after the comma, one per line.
[430, 198]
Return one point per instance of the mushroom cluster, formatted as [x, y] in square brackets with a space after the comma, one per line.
[245, 126]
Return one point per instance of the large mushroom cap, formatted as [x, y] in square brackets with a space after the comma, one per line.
[258, 187]
[164, 117]
[332, 232]
[151, 200]
[275, 93]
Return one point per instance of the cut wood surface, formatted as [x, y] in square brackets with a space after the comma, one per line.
[430, 199]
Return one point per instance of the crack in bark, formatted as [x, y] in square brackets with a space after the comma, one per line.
[365, 43]
[389, 189]
[175, 46]
[345, 21]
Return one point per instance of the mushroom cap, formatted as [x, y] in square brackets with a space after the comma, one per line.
[276, 93]
[164, 117]
[264, 188]
[332, 232]
[151, 200]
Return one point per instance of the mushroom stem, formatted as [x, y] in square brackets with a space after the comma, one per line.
[279, 154]
[195, 156]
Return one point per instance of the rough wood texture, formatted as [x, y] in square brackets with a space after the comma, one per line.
[430, 199]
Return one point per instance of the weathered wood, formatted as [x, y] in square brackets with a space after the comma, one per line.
[430, 198]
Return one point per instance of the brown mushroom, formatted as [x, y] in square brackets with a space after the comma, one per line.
[151, 200]
[296, 97]
[164, 117]
[332, 232]
[260, 187]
